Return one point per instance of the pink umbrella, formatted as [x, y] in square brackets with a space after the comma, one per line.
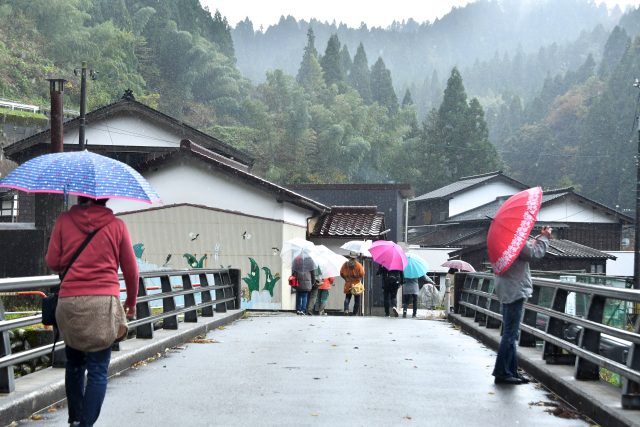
[388, 254]
[459, 264]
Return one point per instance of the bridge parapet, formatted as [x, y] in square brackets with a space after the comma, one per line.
[162, 296]
[584, 340]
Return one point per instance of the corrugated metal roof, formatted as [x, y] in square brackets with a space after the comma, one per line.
[350, 221]
[560, 248]
[454, 187]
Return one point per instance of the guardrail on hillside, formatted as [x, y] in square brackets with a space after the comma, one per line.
[219, 288]
[587, 342]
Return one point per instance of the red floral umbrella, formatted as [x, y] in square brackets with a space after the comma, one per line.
[511, 227]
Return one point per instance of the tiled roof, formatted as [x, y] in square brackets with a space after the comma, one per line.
[350, 221]
[560, 248]
[448, 235]
[464, 183]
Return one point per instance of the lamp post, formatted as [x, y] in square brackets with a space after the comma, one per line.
[83, 101]
[636, 244]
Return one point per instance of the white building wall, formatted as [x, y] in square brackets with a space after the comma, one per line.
[567, 210]
[195, 183]
[479, 196]
[125, 130]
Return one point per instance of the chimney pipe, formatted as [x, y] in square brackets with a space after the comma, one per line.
[56, 89]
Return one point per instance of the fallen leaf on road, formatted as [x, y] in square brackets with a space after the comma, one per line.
[36, 417]
[314, 414]
[222, 328]
[407, 417]
[203, 341]
[52, 409]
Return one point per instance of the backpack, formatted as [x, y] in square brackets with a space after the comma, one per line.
[394, 277]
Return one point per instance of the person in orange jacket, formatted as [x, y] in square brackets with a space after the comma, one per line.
[352, 272]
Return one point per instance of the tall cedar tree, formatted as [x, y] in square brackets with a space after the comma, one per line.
[345, 61]
[382, 87]
[332, 64]
[360, 76]
[310, 72]
[462, 135]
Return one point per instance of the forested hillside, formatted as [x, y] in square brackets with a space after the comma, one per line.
[544, 93]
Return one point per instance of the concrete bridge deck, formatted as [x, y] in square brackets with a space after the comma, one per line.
[287, 370]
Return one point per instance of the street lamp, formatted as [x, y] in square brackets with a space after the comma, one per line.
[83, 99]
[636, 246]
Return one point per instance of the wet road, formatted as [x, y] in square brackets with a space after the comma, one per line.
[287, 370]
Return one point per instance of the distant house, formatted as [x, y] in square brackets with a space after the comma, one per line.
[562, 255]
[214, 213]
[467, 193]
[340, 225]
[573, 217]
[390, 199]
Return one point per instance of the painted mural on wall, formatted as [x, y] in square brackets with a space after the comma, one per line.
[252, 296]
[257, 288]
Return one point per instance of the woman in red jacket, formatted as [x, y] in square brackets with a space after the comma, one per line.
[89, 314]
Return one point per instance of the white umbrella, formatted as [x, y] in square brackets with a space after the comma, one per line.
[361, 247]
[297, 252]
[329, 262]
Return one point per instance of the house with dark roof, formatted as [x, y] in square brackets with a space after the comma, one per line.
[572, 216]
[467, 193]
[562, 255]
[389, 199]
[214, 211]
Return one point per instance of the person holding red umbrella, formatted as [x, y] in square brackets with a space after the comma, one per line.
[513, 286]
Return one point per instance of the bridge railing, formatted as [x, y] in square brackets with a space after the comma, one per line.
[585, 341]
[162, 295]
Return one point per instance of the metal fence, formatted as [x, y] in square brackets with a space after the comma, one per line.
[585, 341]
[162, 296]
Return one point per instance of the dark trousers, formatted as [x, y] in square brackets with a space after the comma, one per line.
[507, 358]
[357, 300]
[313, 296]
[413, 298]
[390, 298]
[85, 401]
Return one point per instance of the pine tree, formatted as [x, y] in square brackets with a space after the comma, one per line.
[407, 100]
[331, 62]
[382, 90]
[310, 73]
[360, 75]
[345, 60]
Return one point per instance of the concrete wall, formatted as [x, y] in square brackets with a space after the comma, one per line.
[225, 238]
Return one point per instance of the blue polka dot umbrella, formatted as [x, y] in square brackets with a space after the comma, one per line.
[80, 173]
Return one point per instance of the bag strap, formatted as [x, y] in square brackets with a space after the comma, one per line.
[78, 252]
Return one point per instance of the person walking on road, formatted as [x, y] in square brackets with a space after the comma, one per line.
[513, 287]
[352, 272]
[391, 281]
[89, 313]
[323, 295]
[410, 290]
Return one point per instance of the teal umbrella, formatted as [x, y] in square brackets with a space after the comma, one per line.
[416, 267]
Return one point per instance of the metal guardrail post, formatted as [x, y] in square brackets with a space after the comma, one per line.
[494, 306]
[482, 301]
[459, 282]
[530, 318]
[219, 280]
[189, 300]
[590, 340]
[205, 295]
[631, 389]
[168, 304]
[7, 383]
[143, 310]
[234, 275]
[551, 353]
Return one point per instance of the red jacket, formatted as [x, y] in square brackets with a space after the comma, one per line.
[95, 271]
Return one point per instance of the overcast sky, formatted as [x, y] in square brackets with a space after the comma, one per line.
[351, 12]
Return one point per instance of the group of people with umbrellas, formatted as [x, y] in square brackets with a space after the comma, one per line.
[312, 265]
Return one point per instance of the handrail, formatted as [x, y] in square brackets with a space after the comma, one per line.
[475, 297]
[222, 294]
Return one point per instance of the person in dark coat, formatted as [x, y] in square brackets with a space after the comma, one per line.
[303, 270]
[391, 282]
